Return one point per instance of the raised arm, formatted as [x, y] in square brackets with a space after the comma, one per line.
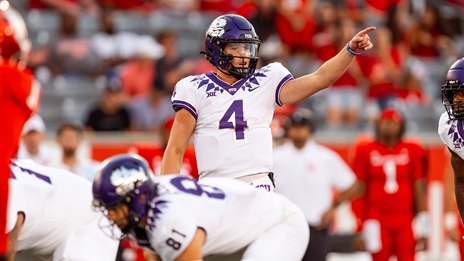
[182, 129]
[299, 89]
[458, 167]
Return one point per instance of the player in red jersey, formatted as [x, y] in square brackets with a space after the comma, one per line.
[19, 98]
[392, 172]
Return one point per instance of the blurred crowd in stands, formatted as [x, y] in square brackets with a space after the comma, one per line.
[112, 64]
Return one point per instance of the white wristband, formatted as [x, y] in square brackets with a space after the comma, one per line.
[422, 224]
[451, 221]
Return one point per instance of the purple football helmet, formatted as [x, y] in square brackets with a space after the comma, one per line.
[124, 179]
[454, 82]
[238, 33]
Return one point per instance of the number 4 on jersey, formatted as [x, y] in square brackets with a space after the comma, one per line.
[240, 124]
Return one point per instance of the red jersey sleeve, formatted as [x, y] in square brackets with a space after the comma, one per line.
[420, 161]
[359, 156]
[421, 156]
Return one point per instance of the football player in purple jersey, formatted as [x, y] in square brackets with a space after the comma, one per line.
[451, 128]
[50, 217]
[178, 218]
[230, 110]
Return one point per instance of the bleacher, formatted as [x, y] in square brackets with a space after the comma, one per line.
[68, 97]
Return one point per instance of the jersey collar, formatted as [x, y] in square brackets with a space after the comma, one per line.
[232, 89]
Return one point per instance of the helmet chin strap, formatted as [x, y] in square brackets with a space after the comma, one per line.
[460, 114]
[229, 73]
[130, 225]
[233, 71]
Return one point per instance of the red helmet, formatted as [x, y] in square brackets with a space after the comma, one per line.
[394, 115]
[14, 43]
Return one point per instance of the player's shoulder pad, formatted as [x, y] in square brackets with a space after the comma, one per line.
[189, 80]
[443, 123]
[272, 66]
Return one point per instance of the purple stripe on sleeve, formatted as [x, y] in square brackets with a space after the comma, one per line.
[177, 105]
[279, 86]
[202, 228]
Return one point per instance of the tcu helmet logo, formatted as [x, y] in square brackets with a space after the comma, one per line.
[216, 28]
[124, 179]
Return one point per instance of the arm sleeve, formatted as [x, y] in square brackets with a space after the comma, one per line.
[15, 204]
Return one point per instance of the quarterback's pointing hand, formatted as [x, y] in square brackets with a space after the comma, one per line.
[361, 41]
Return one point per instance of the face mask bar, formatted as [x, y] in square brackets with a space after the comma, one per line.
[455, 110]
[108, 227]
[245, 50]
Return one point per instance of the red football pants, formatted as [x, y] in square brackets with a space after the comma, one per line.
[398, 240]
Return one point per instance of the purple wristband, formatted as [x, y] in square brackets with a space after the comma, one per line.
[347, 47]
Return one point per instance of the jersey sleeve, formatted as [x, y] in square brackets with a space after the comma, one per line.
[281, 76]
[171, 232]
[15, 203]
[184, 97]
[360, 162]
[444, 129]
[419, 162]
[451, 133]
[24, 89]
[421, 152]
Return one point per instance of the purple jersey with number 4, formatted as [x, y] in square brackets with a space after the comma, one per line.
[232, 135]
[232, 213]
